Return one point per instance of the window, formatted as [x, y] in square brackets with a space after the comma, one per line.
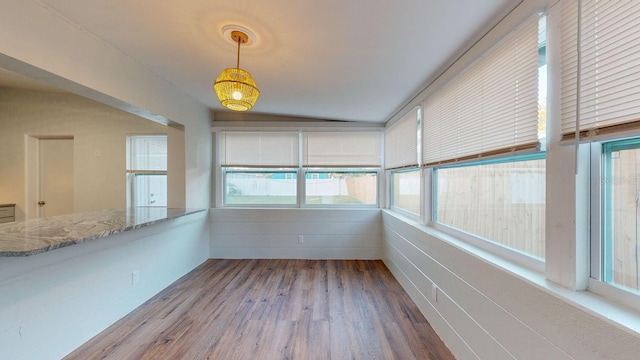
[147, 170]
[341, 187]
[483, 133]
[339, 168]
[501, 201]
[402, 155]
[260, 168]
[601, 105]
[406, 188]
[621, 214]
[260, 186]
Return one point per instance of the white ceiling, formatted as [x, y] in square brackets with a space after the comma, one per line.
[353, 60]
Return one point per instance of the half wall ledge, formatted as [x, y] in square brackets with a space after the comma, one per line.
[35, 236]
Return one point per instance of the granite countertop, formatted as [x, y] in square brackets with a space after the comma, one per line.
[30, 237]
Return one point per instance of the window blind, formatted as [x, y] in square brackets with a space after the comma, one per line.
[342, 149]
[401, 142]
[490, 108]
[609, 75]
[609, 96]
[259, 149]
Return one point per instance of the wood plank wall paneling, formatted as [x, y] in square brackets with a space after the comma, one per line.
[483, 327]
[274, 309]
[273, 233]
[485, 312]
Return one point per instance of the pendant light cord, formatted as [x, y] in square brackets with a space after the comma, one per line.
[238, 57]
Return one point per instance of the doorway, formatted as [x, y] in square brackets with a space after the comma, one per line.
[50, 184]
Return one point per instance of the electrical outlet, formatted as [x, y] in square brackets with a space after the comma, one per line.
[300, 239]
[135, 276]
[434, 292]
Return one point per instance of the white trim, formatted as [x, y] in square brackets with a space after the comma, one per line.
[303, 196]
[426, 196]
[494, 248]
[625, 297]
[405, 213]
[259, 170]
[217, 172]
[301, 184]
[595, 203]
[219, 126]
[390, 185]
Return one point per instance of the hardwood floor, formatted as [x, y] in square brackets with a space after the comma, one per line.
[274, 309]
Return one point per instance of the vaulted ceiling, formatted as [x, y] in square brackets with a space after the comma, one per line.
[351, 60]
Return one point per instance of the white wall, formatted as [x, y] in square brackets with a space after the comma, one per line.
[486, 312]
[53, 302]
[273, 233]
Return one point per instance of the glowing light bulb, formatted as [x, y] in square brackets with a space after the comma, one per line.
[237, 95]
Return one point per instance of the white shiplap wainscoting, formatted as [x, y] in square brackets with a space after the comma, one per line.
[53, 302]
[274, 233]
[486, 308]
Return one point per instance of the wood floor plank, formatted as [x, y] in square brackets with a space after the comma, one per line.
[274, 309]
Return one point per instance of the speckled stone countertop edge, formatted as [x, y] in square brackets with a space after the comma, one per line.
[105, 223]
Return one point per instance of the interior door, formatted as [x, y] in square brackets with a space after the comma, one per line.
[55, 177]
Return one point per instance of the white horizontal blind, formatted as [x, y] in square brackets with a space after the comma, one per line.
[610, 67]
[401, 142]
[490, 108]
[342, 149]
[569, 65]
[259, 149]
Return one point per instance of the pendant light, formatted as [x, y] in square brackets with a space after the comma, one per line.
[235, 87]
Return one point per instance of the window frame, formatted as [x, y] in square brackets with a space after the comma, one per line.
[363, 170]
[226, 170]
[600, 171]
[131, 174]
[391, 192]
[496, 248]
[300, 170]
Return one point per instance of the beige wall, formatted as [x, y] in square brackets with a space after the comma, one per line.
[99, 133]
[38, 43]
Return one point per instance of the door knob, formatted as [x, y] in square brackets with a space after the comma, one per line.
[41, 203]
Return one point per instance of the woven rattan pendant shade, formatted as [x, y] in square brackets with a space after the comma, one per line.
[235, 87]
